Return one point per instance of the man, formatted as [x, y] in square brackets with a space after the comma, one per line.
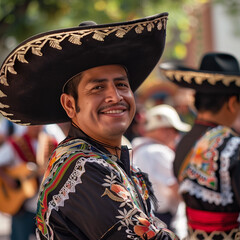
[89, 190]
[154, 154]
[20, 172]
[207, 158]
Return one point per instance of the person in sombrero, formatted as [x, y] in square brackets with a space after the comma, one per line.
[87, 75]
[207, 161]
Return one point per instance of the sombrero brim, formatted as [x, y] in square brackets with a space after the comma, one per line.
[202, 81]
[33, 74]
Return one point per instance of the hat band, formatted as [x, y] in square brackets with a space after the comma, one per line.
[75, 37]
[199, 77]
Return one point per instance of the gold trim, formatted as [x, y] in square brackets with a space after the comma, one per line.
[193, 234]
[2, 94]
[112, 196]
[199, 77]
[54, 41]
[12, 120]
[5, 114]
[3, 105]
[24, 124]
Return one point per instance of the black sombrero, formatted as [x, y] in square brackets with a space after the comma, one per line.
[33, 74]
[218, 73]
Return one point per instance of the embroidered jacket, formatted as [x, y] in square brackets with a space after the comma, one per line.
[207, 166]
[87, 193]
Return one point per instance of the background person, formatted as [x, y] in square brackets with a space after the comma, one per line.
[20, 174]
[154, 154]
[207, 161]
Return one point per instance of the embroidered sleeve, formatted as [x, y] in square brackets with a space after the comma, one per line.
[92, 202]
[235, 170]
[205, 171]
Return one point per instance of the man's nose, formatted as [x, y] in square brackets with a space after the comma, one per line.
[113, 95]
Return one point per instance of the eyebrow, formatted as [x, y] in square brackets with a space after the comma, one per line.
[100, 80]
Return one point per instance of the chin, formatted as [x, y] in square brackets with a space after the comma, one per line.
[115, 131]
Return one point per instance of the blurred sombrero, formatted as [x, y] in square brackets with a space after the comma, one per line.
[218, 73]
[33, 74]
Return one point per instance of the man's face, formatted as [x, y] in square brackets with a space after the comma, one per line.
[106, 103]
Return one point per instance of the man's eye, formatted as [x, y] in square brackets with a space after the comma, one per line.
[97, 87]
[122, 85]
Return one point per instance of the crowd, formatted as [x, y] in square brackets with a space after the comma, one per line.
[24, 152]
[115, 168]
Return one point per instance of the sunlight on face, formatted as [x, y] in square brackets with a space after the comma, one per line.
[106, 102]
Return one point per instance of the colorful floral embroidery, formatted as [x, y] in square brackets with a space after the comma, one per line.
[140, 183]
[61, 160]
[144, 228]
[126, 182]
[202, 162]
[131, 215]
[117, 185]
[198, 174]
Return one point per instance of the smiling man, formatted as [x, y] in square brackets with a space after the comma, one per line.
[87, 75]
[105, 105]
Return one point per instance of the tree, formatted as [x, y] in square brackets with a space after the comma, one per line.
[20, 19]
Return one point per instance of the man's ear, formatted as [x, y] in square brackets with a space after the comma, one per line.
[68, 103]
[233, 104]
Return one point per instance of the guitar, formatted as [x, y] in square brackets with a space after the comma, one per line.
[12, 199]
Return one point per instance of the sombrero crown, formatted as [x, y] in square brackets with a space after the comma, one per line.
[33, 74]
[218, 73]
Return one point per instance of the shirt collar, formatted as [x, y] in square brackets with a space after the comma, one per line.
[78, 133]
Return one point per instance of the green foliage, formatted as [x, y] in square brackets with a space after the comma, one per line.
[23, 18]
[20, 19]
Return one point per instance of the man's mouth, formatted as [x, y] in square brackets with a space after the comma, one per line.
[113, 111]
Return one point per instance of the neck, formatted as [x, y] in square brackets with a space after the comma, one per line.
[158, 137]
[111, 146]
[220, 118]
[116, 151]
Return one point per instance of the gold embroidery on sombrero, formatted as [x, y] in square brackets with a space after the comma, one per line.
[3, 105]
[74, 37]
[5, 114]
[15, 121]
[2, 94]
[200, 77]
[24, 124]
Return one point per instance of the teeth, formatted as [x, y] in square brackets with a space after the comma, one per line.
[114, 111]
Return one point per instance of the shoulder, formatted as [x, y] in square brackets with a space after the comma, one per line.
[223, 131]
[73, 146]
[71, 151]
[73, 154]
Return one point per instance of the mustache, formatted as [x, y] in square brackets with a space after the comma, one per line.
[114, 105]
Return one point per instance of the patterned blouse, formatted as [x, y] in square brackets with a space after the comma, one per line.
[207, 165]
[87, 193]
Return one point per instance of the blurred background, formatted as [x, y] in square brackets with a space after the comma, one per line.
[194, 28]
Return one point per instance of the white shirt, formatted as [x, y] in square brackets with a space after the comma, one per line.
[156, 160]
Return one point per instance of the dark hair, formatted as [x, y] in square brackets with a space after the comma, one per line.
[212, 102]
[71, 88]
